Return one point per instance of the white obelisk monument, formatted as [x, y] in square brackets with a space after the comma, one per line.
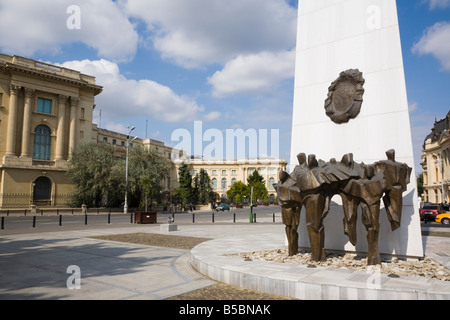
[335, 36]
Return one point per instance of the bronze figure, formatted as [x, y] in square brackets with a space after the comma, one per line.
[313, 184]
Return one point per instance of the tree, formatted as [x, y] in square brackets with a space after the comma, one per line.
[238, 191]
[185, 181]
[420, 184]
[94, 172]
[206, 192]
[148, 171]
[256, 181]
[254, 178]
[99, 176]
[196, 190]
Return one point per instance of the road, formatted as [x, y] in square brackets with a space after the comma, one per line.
[66, 221]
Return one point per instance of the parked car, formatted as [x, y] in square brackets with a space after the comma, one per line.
[443, 218]
[429, 212]
[223, 207]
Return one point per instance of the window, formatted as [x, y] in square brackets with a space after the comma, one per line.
[271, 183]
[42, 145]
[224, 183]
[224, 172]
[233, 181]
[214, 184]
[105, 139]
[250, 171]
[82, 113]
[233, 172]
[114, 141]
[44, 106]
[214, 172]
[122, 143]
[194, 172]
[262, 171]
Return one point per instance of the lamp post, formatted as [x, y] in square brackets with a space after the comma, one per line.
[125, 207]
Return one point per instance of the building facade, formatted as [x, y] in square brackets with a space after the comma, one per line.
[436, 163]
[45, 112]
[225, 173]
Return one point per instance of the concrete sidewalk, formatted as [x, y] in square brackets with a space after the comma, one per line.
[35, 266]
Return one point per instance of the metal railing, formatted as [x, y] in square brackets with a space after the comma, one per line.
[26, 200]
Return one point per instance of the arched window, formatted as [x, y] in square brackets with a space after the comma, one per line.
[42, 145]
[224, 183]
[42, 189]
[233, 181]
[214, 184]
[271, 183]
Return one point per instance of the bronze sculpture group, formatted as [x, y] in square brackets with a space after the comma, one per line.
[313, 183]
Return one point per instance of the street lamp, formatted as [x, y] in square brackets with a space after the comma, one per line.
[125, 207]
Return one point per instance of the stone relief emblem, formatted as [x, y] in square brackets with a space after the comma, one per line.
[345, 97]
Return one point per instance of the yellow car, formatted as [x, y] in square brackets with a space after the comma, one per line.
[443, 218]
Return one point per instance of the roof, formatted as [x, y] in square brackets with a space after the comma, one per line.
[439, 127]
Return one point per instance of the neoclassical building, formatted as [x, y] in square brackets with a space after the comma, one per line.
[436, 163]
[225, 173]
[45, 112]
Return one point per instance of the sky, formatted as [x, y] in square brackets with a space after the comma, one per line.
[166, 65]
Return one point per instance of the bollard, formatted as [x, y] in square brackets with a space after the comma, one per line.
[60, 221]
[85, 219]
[109, 218]
[193, 218]
[34, 221]
[72, 211]
[213, 218]
[274, 218]
[7, 213]
[234, 217]
[131, 217]
[3, 223]
[254, 217]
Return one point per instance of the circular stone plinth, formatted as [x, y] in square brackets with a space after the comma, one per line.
[301, 281]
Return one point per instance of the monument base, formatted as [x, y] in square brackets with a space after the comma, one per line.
[168, 227]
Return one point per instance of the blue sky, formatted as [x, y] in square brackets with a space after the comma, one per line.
[229, 64]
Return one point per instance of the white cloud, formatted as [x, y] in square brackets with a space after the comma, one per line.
[436, 41]
[434, 4]
[27, 27]
[260, 72]
[212, 116]
[413, 106]
[126, 98]
[195, 33]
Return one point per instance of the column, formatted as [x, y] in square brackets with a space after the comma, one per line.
[12, 121]
[26, 130]
[61, 128]
[73, 124]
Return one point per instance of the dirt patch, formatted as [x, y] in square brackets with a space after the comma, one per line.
[223, 291]
[218, 291]
[156, 240]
